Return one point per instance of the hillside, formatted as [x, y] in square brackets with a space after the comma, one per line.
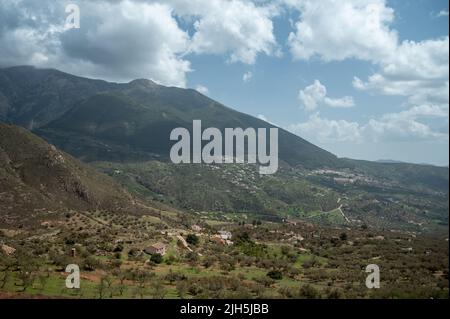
[123, 130]
[32, 98]
[37, 179]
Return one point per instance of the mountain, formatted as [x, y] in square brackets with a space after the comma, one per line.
[389, 161]
[124, 121]
[36, 179]
[123, 130]
[32, 97]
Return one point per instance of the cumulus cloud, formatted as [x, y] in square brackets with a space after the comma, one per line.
[389, 127]
[240, 29]
[393, 127]
[331, 30]
[339, 30]
[131, 40]
[26, 35]
[406, 124]
[316, 94]
[326, 131]
[418, 71]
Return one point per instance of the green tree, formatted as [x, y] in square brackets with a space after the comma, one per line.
[275, 274]
[192, 239]
[156, 258]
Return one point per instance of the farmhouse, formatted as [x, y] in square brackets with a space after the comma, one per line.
[219, 241]
[158, 248]
[225, 235]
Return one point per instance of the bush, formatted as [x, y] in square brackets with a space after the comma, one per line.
[90, 264]
[171, 260]
[275, 274]
[118, 248]
[192, 239]
[309, 292]
[174, 277]
[156, 258]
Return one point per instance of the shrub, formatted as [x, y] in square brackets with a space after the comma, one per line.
[118, 248]
[156, 258]
[275, 274]
[192, 239]
[309, 292]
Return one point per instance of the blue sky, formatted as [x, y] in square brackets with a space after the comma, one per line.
[275, 84]
[365, 79]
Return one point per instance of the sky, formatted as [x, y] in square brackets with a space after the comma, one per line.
[364, 79]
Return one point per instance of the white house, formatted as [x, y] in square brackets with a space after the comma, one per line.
[158, 248]
[225, 235]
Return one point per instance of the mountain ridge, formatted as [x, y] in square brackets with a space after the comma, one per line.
[168, 107]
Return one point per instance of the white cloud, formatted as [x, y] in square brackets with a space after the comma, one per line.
[338, 30]
[390, 127]
[442, 13]
[322, 130]
[247, 77]
[316, 94]
[398, 128]
[240, 29]
[407, 124]
[344, 102]
[418, 71]
[312, 95]
[202, 89]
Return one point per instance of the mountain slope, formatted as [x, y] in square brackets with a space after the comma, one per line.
[420, 177]
[32, 97]
[135, 118]
[35, 177]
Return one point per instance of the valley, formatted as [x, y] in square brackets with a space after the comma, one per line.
[86, 179]
[294, 259]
